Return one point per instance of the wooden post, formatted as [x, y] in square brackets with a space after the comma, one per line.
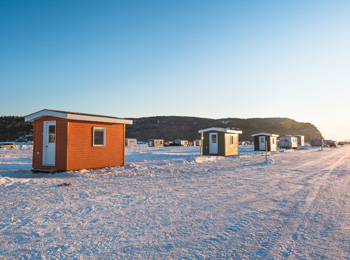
[266, 149]
[201, 144]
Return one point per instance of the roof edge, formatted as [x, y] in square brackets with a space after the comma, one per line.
[267, 134]
[75, 116]
[224, 130]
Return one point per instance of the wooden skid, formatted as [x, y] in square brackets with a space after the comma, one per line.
[52, 171]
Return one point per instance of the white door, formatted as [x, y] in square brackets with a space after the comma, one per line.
[273, 143]
[262, 143]
[213, 143]
[49, 143]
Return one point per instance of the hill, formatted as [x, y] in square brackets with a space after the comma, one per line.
[177, 127]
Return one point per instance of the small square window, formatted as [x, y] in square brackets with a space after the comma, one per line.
[99, 136]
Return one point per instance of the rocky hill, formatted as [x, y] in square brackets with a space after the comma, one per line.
[177, 127]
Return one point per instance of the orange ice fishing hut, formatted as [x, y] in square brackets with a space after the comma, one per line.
[65, 141]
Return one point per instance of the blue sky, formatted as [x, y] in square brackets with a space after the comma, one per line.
[200, 58]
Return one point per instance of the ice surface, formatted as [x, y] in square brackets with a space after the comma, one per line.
[169, 203]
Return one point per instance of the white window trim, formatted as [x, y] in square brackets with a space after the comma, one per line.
[93, 136]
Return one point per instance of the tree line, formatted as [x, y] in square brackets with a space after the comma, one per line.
[14, 128]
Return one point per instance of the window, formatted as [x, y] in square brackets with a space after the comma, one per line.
[273, 140]
[99, 136]
[52, 133]
[231, 139]
[213, 139]
[262, 140]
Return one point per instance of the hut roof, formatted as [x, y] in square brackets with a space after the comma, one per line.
[221, 129]
[266, 134]
[75, 116]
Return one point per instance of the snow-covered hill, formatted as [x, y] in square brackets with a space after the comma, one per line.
[169, 203]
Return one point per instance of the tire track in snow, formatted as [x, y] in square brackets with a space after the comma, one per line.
[320, 160]
[285, 246]
[220, 239]
[313, 194]
[235, 228]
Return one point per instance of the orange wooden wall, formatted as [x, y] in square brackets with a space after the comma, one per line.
[82, 154]
[74, 148]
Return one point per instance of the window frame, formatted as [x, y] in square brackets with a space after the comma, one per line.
[214, 137]
[49, 134]
[93, 136]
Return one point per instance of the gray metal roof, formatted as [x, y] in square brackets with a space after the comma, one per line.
[75, 116]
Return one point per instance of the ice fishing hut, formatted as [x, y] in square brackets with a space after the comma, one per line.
[156, 142]
[131, 142]
[181, 142]
[301, 140]
[288, 142]
[196, 142]
[263, 139]
[220, 141]
[318, 142]
[71, 141]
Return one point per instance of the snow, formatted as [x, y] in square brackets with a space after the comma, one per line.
[170, 203]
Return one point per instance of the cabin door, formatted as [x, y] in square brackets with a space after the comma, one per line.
[262, 143]
[49, 143]
[213, 143]
[273, 143]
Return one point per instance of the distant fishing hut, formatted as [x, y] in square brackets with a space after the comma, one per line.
[131, 142]
[288, 142]
[301, 140]
[265, 141]
[220, 141]
[156, 142]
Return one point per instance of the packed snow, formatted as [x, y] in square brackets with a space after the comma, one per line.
[169, 203]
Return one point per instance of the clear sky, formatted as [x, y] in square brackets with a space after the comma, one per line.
[202, 58]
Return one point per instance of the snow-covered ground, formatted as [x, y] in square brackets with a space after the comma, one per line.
[168, 203]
